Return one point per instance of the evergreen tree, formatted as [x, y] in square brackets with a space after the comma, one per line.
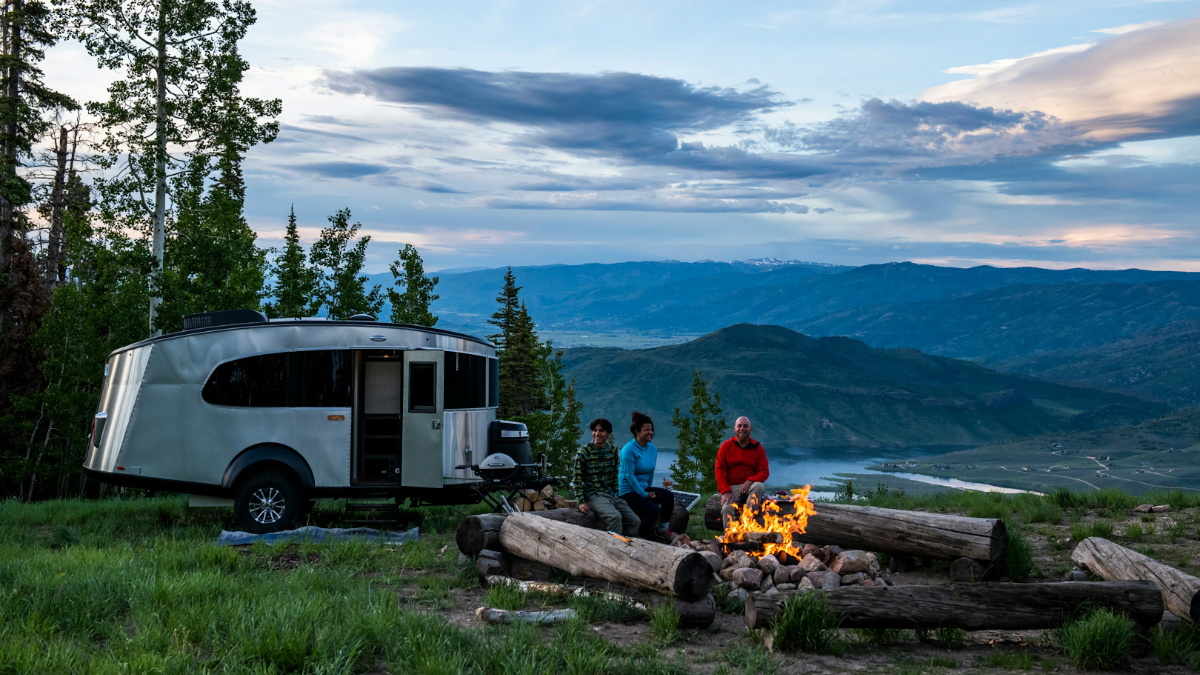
[295, 282]
[699, 437]
[557, 429]
[412, 306]
[179, 90]
[510, 305]
[341, 288]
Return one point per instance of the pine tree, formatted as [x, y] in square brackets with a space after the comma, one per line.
[510, 304]
[179, 91]
[699, 436]
[341, 288]
[295, 282]
[556, 430]
[412, 306]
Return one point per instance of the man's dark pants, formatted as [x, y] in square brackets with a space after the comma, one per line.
[651, 511]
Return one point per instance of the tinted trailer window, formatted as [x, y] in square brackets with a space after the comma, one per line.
[311, 379]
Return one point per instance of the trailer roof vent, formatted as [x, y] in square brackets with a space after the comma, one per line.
[229, 317]
[360, 317]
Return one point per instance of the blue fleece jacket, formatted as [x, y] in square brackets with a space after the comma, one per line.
[636, 470]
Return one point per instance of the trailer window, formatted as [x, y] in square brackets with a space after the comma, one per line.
[322, 379]
[254, 382]
[422, 387]
[464, 381]
[493, 383]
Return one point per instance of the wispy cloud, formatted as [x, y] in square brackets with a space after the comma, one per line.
[1128, 28]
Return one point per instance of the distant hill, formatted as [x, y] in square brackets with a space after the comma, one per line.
[998, 324]
[699, 297]
[1162, 363]
[808, 392]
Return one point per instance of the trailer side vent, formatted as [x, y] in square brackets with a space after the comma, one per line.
[229, 317]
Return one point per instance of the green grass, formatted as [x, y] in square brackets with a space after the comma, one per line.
[137, 586]
[1021, 660]
[1017, 558]
[1178, 647]
[1134, 532]
[951, 638]
[806, 625]
[664, 624]
[1099, 640]
[505, 596]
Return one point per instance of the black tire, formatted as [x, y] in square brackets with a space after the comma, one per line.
[268, 502]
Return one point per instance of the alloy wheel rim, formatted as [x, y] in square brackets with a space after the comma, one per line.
[267, 505]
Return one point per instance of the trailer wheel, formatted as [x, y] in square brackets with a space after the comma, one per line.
[268, 502]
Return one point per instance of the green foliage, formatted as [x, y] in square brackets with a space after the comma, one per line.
[556, 430]
[604, 609]
[1021, 660]
[339, 259]
[412, 306]
[521, 354]
[942, 662]
[1100, 640]
[505, 596]
[951, 638]
[1017, 558]
[699, 437]
[1178, 646]
[1134, 532]
[295, 282]
[806, 625]
[664, 624]
[1102, 529]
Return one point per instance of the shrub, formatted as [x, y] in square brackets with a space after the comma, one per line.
[1102, 529]
[1017, 559]
[951, 638]
[806, 625]
[1101, 640]
[1175, 647]
[1133, 532]
[664, 623]
[1079, 532]
[1065, 498]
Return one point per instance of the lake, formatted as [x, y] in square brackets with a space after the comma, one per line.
[806, 466]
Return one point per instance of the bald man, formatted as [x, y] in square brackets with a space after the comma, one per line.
[741, 470]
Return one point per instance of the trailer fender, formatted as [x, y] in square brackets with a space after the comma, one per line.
[268, 453]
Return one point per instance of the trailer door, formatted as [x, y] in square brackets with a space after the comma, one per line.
[380, 418]
[422, 460]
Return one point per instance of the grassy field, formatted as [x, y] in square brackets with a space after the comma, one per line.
[1163, 454]
[137, 586]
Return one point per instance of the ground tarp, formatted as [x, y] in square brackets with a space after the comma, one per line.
[317, 535]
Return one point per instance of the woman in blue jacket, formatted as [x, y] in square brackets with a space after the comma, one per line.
[635, 476]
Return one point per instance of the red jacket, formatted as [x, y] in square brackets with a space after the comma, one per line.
[736, 465]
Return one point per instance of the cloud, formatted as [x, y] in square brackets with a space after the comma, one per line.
[1137, 84]
[336, 121]
[341, 169]
[680, 204]
[318, 132]
[1128, 28]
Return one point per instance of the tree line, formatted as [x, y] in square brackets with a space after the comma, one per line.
[113, 228]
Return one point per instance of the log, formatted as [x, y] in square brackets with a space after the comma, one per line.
[926, 535]
[988, 606]
[479, 533]
[1101, 557]
[680, 519]
[492, 563]
[698, 614]
[543, 616]
[712, 514]
[670, 570]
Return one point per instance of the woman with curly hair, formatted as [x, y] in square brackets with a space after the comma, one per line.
[635, 479]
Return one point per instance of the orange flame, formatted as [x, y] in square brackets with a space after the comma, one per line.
[770, 517]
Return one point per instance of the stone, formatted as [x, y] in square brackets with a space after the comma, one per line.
[768, 563]
[797, 574]
[1143, 508]
[827, 580]
[805, 584]
[714, 561]
[783, 573]
[738, 595]
[966, 569]
[737, 559]
[855, 578]
[1161, 508]
[748, 578]
[867, 583]
[1075, 575]
[849, 562]
[785, 587]
[812, 564]
[828, 553]
[771, 591]
[811, 549]
[767, 583]
[722, 588]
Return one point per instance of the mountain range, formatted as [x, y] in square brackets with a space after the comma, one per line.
[833, 391]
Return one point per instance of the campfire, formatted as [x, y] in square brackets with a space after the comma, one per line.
[768, 529]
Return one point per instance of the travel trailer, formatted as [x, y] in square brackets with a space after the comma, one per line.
[273, 414]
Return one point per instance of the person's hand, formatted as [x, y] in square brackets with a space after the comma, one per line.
[746, 487]
[726, 498]
[583, 508]
[650, 494]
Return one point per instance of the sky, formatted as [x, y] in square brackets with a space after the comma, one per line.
[1062, 134]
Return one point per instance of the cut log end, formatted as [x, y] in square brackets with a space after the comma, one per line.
[693, 577]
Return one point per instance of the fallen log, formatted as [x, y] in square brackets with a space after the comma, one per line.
[479, 533]
[927, 535]
[490, 563]
[970, 606]
[544, 616]
[1101, 557]
[670, 570]
[698, 614]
